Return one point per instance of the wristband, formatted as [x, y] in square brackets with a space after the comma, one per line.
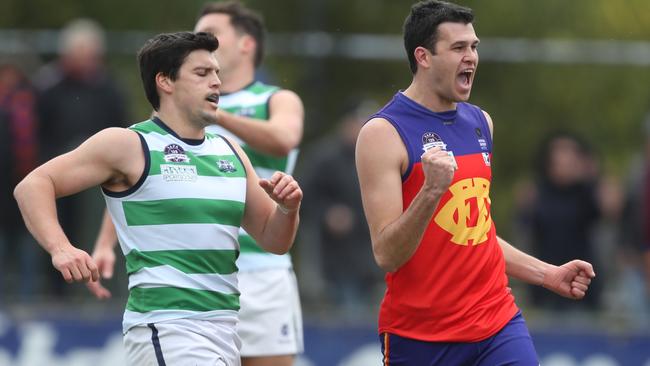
[285, 210]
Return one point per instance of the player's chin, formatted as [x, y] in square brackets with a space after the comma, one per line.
[208, 117]
[463, 96]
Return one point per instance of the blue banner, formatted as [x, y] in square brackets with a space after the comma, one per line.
[98, 342]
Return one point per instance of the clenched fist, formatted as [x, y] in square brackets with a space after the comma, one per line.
[438, 168]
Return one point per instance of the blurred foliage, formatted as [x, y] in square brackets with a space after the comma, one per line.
[605, 104]
[622, 19]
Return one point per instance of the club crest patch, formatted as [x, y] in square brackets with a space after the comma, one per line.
[175, 154]
[226, 166]
[432, 139]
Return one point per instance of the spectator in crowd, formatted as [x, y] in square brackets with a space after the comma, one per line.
[19, 156]
[634, 272]
[561, 211]
[336, 240]
[77, 98]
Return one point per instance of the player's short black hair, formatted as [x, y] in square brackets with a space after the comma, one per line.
[421, 25]
[243, 19]
[165, 53]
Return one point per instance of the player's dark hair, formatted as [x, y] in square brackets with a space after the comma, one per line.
[165, 53]
[421, 25]
[244, 20]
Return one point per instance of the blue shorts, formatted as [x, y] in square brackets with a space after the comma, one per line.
[512, 346]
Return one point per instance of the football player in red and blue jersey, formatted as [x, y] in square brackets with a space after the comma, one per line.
[424, 164]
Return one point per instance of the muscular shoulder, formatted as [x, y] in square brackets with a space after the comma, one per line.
[378, 128]
[285, 97]
[379, 140]
[118, 147]
[116, 140]
[112, 157]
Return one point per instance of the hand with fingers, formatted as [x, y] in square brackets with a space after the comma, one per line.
[438, 167]
[284, 190]
[570, 280]
[75, 265]
[104, 257]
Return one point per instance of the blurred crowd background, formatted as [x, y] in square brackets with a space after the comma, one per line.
[566, 83]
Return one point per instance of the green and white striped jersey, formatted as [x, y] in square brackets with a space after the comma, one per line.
[253, 102]
[178, 228]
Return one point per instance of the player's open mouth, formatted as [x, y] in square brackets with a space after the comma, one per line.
[214, 98]
[465, 78]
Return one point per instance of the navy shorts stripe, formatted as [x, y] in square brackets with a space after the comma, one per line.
[156, 344]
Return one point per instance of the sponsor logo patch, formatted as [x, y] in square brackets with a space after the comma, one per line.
[483, 144]
[178, 173]
[486, 159]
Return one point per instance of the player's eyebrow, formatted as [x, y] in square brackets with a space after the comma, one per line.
[464, 43]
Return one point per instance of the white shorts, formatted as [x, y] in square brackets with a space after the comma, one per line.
[270, 319]
[183, 342]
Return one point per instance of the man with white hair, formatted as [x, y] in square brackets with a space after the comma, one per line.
[77, 98]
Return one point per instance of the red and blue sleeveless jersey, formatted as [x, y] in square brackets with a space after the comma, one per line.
[454, 287]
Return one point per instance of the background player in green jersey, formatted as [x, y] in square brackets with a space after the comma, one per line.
[268, 123]
[197, 186]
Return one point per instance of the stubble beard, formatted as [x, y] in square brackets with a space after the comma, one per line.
[204, 119]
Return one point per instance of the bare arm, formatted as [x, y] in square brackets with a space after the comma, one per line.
[271, 213]
[570, 280]
[104, 256]
[102, 159]
[395, 233]
[107, 237]
[522, 266]
[279, 135]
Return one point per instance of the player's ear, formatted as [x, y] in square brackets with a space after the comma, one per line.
[247, 44]
[164, 83]
[422, 57]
